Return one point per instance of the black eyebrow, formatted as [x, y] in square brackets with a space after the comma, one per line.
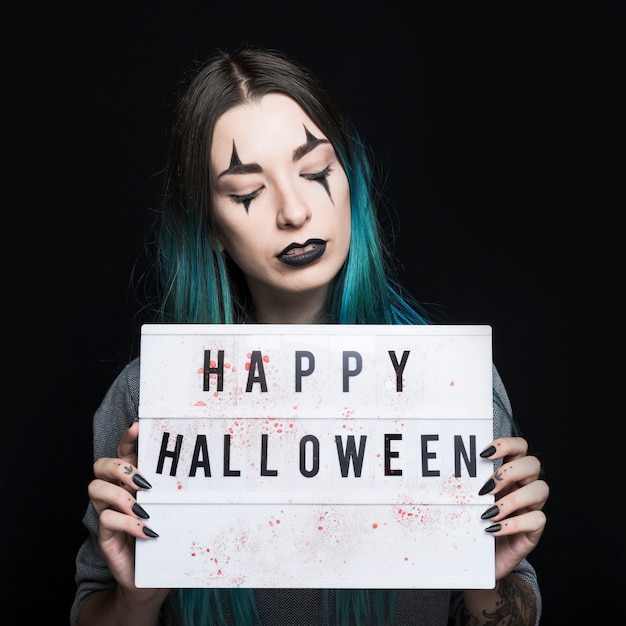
[237, 167]
[311, 143]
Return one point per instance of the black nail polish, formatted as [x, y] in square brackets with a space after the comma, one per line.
[487, 487]
[492, 511]
[140, 481]
[138, 510]
[487, 452]
[494, 528]
[150, 533]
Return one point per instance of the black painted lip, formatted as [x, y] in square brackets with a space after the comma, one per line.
[305, 258]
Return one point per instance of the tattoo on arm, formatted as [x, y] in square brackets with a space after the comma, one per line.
[516, 606]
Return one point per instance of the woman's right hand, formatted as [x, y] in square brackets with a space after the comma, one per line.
[121, 519]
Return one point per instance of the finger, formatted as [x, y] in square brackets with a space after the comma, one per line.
[511, 475]
[532, 523]
[127, 445]
[521, 471]
[113, 521]
[105, 495]
[506, 447]
[530, 497]
[120, 472]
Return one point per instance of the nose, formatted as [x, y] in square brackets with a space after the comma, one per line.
[293, 210]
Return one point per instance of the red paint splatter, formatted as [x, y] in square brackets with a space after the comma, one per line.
[247, 367]
[266, 359]
[451, 383]
[200, 403]
[374, 525]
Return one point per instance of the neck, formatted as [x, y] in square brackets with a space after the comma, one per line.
[299, 308]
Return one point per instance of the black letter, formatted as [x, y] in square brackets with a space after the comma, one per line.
[227, 470]
[398, 367]
[316, 456]
[459, 449]
[256, 362]
[391, 454]
[348, 372]
[200, 457]
[344, 457]
[174, 455]
[428, 455]
[299, 371]
[264, 470]
[219, 370]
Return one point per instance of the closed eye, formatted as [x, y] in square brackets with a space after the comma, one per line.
[320, 177]
[246, 199]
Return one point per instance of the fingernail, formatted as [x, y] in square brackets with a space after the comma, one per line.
[140, 481]
[487, 452]
[487, 487]
[492, 511]
[150, 533]
[494, 528]
[139, 511]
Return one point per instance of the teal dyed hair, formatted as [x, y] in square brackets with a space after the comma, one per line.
[198, 284]
[365, 291]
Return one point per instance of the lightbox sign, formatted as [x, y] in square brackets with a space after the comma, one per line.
[332, 456]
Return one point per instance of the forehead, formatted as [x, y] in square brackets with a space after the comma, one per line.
[271, 124]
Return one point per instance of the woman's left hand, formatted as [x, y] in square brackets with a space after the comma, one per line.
[517, 519]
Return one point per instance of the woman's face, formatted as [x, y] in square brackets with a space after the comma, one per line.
[281, 203]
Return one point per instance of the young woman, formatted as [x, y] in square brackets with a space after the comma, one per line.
[268, 216]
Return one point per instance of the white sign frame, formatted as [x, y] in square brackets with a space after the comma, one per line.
[275, 499]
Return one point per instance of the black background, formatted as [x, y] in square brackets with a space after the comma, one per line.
[475, 112]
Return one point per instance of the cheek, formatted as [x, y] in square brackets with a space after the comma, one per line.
[344, 207]
[241, 238]
[226, 237]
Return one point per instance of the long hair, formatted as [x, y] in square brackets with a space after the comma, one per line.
[196, 282]
[199, 284]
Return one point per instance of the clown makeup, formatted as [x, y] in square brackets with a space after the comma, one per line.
[237, 167]
[281, 204]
